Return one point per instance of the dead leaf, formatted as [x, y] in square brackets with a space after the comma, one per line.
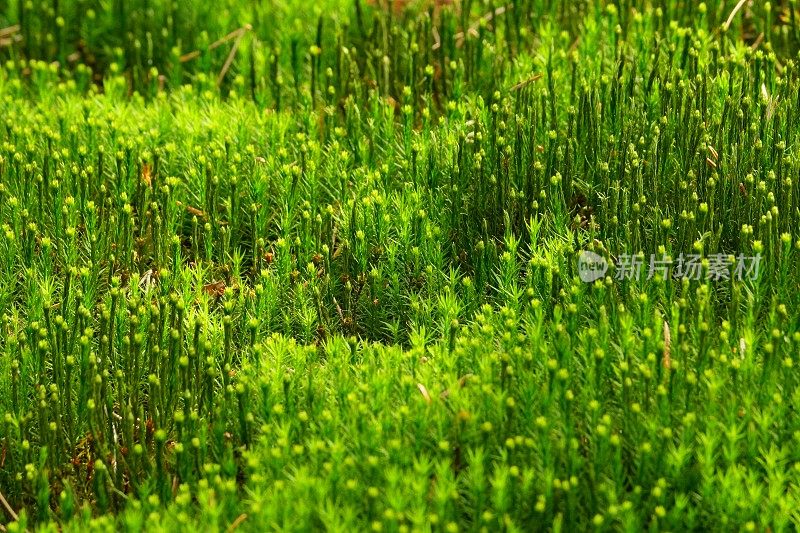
[216, 288]
[146, 174]
[147, 280]
[424, 393]
[192, 210]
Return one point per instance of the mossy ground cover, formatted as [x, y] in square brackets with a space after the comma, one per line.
[271, 267]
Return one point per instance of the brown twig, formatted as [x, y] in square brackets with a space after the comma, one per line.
[236, 523]
[11, 512]
[219, 42]
[400, 5]
[527, 82]
[667, 358]
[758, 41]
[231, 55]
[574, 44]
[473, 29]
[733, 14]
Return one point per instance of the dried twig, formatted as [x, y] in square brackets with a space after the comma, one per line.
[8, 508]
[236, 523]
[473, 29]
[231, 55]
[424, 391]
[733, 14]
[235, 34]
[667, 360]
[400, 5]
[758, 41]
[527, 82]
